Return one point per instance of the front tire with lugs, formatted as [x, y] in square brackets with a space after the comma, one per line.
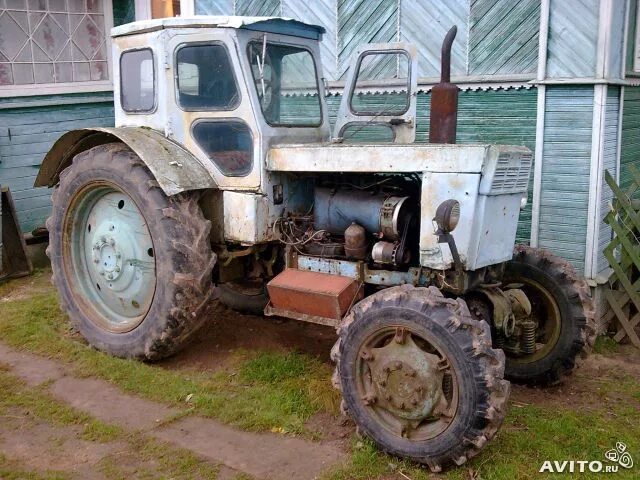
[132, 266]
[419, 377]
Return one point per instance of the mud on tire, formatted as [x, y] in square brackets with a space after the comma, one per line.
[482, 393]
[182, 255]
[572, 296]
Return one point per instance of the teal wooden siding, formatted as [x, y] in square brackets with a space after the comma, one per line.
[501, 117]
[426, 23]
[630, 144]
[503, 36]
[364, 21]
[566, 163]
[28, 128]
[214, 7]
[258, 8]
[573, 35]
[610, 163]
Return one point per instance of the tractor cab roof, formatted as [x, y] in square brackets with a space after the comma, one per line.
[275, 25]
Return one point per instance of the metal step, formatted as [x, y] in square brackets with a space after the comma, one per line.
[312, 296]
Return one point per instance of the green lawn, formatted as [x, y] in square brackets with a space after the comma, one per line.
[280, 391]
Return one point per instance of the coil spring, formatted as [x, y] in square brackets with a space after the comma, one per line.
[447, 386]
[528, 337]
[498, 340]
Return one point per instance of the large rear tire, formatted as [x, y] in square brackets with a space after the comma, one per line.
[563, 310]
[419, 377]
[132, 266]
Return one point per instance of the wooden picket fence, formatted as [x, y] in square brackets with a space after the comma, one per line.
[623, 255]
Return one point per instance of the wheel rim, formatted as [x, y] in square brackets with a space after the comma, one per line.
[109, 257]
[407, 383]
[546, 313]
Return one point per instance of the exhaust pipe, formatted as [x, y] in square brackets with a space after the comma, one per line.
[444, 98]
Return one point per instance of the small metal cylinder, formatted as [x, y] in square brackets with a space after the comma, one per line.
[384, 252]
[443, 119]
[355, 242]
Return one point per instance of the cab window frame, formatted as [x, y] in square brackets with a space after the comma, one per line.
[230, 108]
[315, 75]
[353, 86]
[154, 107]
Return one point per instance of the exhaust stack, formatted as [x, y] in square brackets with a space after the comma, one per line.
[444, 98]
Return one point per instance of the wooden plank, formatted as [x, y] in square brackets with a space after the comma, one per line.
[621, 317]
[15, 262]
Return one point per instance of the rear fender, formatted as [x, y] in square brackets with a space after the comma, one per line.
[175, 169]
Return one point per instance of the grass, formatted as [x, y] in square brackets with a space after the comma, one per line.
[280, 391]
[605, 345]
[269, 391]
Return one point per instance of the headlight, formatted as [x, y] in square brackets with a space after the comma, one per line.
[448, 215]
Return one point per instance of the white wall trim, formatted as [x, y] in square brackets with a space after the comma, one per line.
[603, 45]
[188, 8]
[543, 39]
[540, 117]
[625, 39]
[143, 9]
[619, 139]
[595, 180]
[537, 165]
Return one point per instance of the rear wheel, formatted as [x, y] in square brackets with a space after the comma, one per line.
[562, 311]
[132, 266]
[419, 377]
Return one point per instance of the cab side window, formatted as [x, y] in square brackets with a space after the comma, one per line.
[137, 81]
[205, 78]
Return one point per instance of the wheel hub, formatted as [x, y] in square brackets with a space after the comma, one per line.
[112, 253]
[407, 380]
[107, 258]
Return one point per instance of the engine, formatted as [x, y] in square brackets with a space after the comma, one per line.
[377, 224]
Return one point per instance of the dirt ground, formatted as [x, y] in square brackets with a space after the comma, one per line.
[44, 446]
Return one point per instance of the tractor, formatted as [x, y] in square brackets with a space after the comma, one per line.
[223, 179]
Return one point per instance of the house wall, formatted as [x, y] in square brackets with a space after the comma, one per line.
[630, 141]
[28, 128]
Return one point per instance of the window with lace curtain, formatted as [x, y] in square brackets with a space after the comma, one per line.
[54, 43]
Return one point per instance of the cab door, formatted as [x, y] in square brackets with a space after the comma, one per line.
[212, 115]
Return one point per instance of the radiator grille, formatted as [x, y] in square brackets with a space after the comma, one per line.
[512, 173]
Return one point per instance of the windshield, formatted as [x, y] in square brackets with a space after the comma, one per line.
[286, 82]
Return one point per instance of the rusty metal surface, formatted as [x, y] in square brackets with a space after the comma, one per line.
[175, 169]
[271, 311]
[313, 293]
[444, 99]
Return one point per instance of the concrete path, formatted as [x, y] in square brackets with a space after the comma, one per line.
[264, 456]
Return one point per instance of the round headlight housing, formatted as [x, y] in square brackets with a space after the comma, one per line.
[448, 215]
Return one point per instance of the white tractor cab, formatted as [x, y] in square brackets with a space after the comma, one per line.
[222, 178]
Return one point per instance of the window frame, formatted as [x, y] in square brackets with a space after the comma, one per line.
[315, 74]
[352, 88]
[225, 120]
[176, 87]
[90, 86]
[155, 80]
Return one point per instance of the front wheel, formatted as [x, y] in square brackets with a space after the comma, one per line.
[419, 377]
[131, 265]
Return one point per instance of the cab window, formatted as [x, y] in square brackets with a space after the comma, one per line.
[137, 85]
[228, 143]
[286, 82]
[205, 79]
